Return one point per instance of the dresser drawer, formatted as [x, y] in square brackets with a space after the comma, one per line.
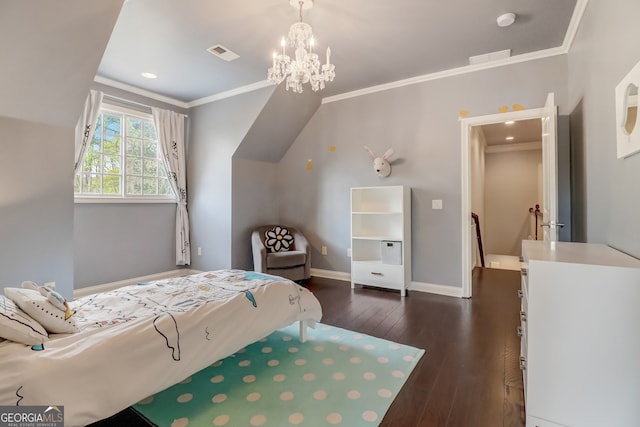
[378, 274]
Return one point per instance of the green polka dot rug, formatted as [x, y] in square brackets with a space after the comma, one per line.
[336, 378]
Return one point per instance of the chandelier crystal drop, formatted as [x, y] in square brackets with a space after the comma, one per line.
[305, 66]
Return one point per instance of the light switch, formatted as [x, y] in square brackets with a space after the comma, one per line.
[436, 204]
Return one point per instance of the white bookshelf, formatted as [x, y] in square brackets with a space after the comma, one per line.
[381, 237]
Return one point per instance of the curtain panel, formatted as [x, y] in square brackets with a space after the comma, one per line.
[170, 128]
[86, 126]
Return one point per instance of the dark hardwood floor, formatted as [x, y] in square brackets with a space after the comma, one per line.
[469, 375]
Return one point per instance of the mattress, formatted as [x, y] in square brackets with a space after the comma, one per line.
[138, 340]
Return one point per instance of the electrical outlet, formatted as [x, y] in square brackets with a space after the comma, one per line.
[199, 251]
[349, 252]
[324, 250]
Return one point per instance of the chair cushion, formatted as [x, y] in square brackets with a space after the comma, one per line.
[286, 259]
[278, 239]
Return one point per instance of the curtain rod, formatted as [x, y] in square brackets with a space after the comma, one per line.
[127, 101]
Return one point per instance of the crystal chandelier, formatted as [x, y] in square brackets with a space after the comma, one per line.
[304, 67]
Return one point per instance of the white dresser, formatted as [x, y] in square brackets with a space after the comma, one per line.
[580, 335]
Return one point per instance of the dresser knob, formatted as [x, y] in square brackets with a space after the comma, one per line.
[520, 331]
[520, 294]
[523, 316]
[523, 363]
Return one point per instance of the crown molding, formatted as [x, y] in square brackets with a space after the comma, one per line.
[572, 29]
[574, 24]
[230, 93]
[133, 89]
[547, 53]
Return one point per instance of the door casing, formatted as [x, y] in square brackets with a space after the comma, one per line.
[465, 221]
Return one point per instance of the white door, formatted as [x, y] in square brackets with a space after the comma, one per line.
[549, 171]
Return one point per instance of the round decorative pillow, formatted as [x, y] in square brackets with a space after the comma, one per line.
[278, 239]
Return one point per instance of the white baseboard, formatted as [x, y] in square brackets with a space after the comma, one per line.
[449, 291]
[90, 290]
[329, 274]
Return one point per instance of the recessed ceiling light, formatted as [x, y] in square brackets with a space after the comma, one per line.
[509, 138]
[510, 122]
[147, 75]
[506, 19]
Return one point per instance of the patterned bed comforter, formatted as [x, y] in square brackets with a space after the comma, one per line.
[138, 340]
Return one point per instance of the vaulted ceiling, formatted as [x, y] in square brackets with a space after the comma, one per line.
[373, 42]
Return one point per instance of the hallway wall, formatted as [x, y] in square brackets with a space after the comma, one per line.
[512, 186]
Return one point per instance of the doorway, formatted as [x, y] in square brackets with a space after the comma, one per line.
[548, 118]
[506, 189]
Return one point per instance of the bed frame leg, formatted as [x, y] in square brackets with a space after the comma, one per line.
[303, 331]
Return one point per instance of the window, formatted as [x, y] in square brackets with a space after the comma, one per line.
[123, 161]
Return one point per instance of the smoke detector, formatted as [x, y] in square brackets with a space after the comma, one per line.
[506, 19]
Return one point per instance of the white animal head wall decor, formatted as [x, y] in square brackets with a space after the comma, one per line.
[381, 164]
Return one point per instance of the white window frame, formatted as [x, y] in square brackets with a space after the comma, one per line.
[123, 198]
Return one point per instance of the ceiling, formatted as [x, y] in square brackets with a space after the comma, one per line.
[372, 41]
[522, 131]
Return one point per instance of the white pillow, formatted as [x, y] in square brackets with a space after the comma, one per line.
[38, 307]
[16, 325]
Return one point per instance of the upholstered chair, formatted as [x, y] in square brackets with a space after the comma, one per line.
[293, 264]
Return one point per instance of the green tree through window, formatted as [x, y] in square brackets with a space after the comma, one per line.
[123, 159]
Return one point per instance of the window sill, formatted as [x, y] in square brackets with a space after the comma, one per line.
[82, 199]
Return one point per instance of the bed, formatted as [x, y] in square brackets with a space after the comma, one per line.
[137, 340]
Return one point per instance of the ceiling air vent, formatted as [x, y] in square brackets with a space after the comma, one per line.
[223, 53]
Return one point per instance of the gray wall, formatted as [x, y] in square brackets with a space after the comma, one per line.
[50, 53]
[565, 197]
[255, 166]
[512, 186]
[605, 49]
[278, 125]
[421, 123]
[36, 204]
[235, 147]
[254, 203]
[216, 131]
[38, 113]
[117, 241]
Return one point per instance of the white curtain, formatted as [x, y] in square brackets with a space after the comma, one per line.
[86, 125]
[170, 127]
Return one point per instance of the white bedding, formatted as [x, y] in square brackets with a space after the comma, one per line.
[140, 339]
